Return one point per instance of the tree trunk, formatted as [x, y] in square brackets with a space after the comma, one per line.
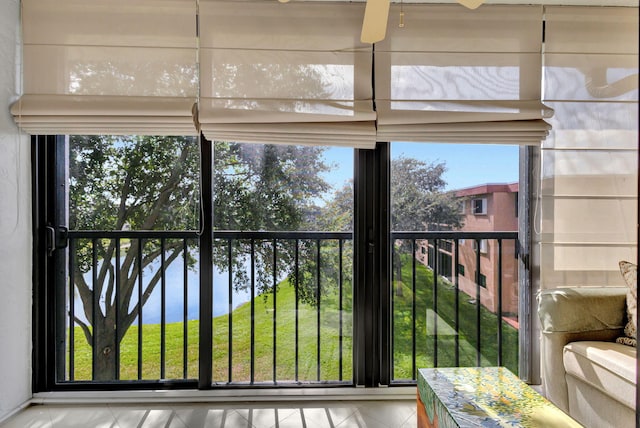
[105, 347]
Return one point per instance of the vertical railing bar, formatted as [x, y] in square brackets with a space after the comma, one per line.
[275, 292]
[139, 308]
[94, 307]
[117, 313]
[456, 303]
[185, 309]
[478, 296]
[163, 315]
[413, 311]
[340, 291]
[230, 319]
[436, 250]
[296, 286]
[392, 301]
[253, 310]
[318, 308]
[72, 310]
[499, 317]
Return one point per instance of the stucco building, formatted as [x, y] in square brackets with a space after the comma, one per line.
[484, 208]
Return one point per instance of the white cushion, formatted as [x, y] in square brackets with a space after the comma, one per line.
[607, 366]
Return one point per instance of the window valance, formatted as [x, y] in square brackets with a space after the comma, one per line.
[108, 66]
[460, 75]
[293, 73]
[282, 73]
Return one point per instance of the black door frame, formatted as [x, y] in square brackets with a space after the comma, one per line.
[371, 322]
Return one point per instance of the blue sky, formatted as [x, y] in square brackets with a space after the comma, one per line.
[467, 164]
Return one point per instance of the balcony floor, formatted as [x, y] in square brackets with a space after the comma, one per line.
[338, 414]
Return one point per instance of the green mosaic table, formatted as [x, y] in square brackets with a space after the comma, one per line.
[483, 397]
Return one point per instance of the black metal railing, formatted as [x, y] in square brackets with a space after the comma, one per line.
[115, 276]
[454, 319]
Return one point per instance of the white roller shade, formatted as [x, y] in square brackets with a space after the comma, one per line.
[590, 160]
[453, 74]
[108, 67]
[285, 73]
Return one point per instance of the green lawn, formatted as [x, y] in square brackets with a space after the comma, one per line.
[402, 319]
[241, 344]
[307, 331]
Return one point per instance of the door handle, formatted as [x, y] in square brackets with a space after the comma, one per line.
[56, 238]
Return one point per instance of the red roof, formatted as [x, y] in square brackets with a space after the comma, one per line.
[484, 189]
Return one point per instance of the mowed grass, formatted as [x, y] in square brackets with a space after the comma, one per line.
[239, 347]
[311, 364]
[445, 343]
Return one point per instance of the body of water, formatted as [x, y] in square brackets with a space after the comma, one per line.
[174, 297]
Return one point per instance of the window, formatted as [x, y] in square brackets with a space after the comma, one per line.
[483, 246]
[319, 263]
[479, 206]
[133, 206]
[460, 270]
[483, 281]
[463, 205]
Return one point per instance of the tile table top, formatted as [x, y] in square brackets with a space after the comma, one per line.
[485, 397]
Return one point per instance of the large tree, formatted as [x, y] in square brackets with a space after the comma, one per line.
[419, 202]
[151, 183]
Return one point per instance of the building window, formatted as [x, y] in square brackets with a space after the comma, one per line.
[479, 206]
[463, 205]
[423, 250]
[460, 270]
[482, 281]
[484, 245]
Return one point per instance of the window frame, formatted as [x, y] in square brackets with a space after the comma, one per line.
[371, 275]
[483, 206]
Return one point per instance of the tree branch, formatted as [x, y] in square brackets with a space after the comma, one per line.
[85, 329]
[130, 317]
[165, 192]
[86, 295]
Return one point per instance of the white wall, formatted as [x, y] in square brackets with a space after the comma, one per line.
[15, 228]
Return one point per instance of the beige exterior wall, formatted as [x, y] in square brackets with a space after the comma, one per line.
[500, 216]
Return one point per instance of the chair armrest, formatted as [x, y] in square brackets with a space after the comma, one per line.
[573, 314]
[574, 310]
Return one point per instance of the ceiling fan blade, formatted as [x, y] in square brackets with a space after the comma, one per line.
[471, 4]
[374, 25]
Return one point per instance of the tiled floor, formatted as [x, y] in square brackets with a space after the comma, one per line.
[306, 414]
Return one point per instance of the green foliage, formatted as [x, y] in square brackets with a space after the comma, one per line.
[337, 213]
[418, 200]
[265, 187]
[135, 182]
